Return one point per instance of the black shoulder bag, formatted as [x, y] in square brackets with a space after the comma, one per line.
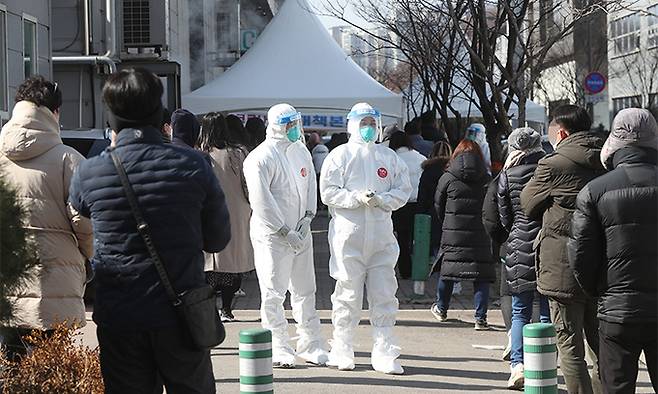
[196, 307]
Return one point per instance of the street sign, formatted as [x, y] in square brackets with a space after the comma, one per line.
[595, 82]
[247, 38]
[595, 98]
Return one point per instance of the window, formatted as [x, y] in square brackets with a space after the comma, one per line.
[223, 31]
[554, 16]
[653, 100]
[625, 102]
[652, 24]
[29, 46]
[3, 60]
[625, 33]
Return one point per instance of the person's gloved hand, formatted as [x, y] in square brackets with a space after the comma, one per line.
[366, 198]
[304, 226]
[295, 240]
[372, 200]
[376, 201]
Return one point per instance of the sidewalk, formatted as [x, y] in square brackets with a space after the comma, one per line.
[437, 357]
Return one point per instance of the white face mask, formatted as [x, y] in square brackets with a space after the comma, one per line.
[553, 136]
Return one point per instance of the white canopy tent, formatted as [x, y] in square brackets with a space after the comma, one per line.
[294, 60]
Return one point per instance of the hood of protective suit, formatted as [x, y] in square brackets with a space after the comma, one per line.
[468, 167]
[478, 133]
[31, 131]
[274, 130]
[354, 123]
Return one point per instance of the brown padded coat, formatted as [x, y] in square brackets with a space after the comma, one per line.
[36, 163]
[550, 197]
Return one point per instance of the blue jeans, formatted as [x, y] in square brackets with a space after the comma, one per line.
[480, 299]
[522, 315]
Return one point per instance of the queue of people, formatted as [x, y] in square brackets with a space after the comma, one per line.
[220, 199]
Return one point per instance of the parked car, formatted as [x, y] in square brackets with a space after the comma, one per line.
[89, 143]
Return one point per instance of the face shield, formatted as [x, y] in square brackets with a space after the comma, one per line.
[366, 122]
[476, 133]
[291, 125]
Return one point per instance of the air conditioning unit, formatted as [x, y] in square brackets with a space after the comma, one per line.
[143, 28]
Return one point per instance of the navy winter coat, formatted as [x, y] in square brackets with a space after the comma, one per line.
[184, 206]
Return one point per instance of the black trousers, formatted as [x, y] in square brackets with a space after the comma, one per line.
[138, 361]
[403, 224]
[619, 352]
[227, 284]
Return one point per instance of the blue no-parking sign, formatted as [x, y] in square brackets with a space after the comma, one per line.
[595, 82]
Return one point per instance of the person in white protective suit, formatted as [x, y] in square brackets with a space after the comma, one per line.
[478, 133]
[283, 196]
[362, 183]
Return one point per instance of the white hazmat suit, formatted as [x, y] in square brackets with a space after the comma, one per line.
[282, 192]
[362, 183]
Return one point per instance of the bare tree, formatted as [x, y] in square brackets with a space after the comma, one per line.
[493, 45]
[640, 71]
[428, 46]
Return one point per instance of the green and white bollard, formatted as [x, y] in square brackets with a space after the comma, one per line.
[256, 361]
[539, 359]
[420, 259]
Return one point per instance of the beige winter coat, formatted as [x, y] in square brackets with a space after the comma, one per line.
[35, 162]
[238, 256]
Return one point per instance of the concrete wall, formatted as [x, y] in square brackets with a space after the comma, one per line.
[16, 9]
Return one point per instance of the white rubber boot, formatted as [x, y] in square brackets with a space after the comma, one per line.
[341, 356]
[283, 356]
[385, 352]
[312, 352]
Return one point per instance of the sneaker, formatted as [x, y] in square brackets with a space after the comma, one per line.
[481, 325]
[240, 293]
[440, 315]
[516, 380]
[226, 316]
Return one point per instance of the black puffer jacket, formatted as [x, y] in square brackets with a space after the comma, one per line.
[520, 259]
[433, 169]
[458, 203]
[184, 206]
[490, 217]
[612, 248]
